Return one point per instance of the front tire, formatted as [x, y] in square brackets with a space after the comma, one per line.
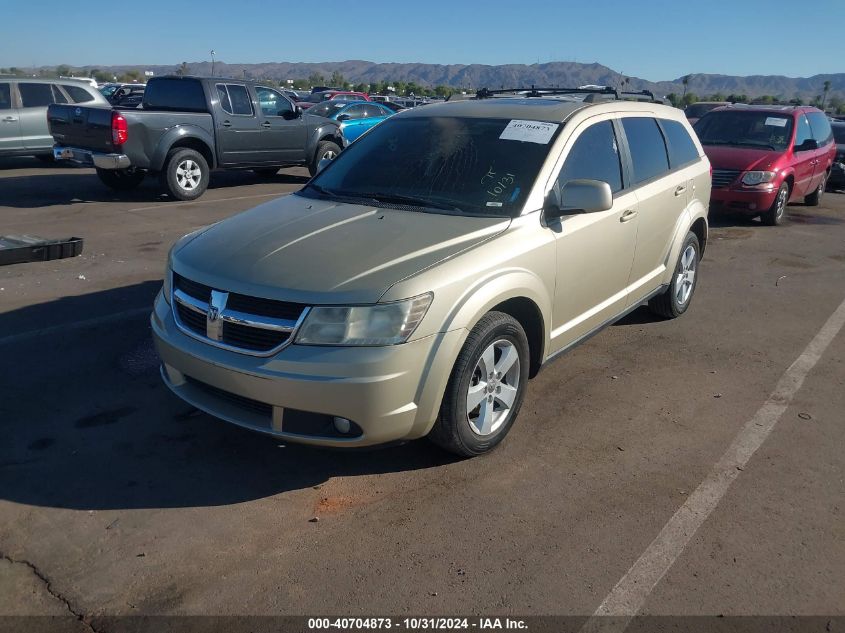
[815, 198]
[486, 387]
[675, 300]
[325, 149]
[777, 212]
[186, 174]
[121, 179]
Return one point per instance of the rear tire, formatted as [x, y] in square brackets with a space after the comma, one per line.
[325, 149]
[815, 198]
[121, 179]
[186, 174]
[777, 212]
[486, 387]
[675, 300]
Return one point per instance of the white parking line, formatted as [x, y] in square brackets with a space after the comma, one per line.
[630, 593]
[206, 201]
[66, 327]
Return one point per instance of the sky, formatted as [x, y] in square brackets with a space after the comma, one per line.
[651, 39]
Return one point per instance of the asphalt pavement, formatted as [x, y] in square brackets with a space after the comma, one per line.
[118, 499]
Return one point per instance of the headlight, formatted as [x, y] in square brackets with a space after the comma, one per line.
[757, 177]
[380, 324]
[168, 277]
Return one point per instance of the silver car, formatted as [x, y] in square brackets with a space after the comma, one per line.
[418, 281]
[23, 112]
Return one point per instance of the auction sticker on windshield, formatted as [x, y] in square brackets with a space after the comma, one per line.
[529, 131]
[776, 121]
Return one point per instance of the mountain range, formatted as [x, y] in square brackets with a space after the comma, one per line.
[567, 74]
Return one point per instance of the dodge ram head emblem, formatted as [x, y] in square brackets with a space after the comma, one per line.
[213, 322]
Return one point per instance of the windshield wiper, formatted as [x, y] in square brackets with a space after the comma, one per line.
[395, 198]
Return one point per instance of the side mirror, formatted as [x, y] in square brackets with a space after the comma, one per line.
[288, 115]
[808, 145]
[343, 117]
[297, 110]
[323, 164]
[580, 196]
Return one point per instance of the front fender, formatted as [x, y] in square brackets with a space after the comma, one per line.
[180, 133]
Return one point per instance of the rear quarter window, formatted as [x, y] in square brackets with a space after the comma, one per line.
[648, 149]
[682, 149]
[183, 95]
[79, 95]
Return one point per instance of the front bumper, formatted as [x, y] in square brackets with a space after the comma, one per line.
[388, 393]
[89, 158]
[744, 199]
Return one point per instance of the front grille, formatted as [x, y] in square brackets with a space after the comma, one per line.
[242, 303]
[261, 408]
[724, 177]
[274, 321]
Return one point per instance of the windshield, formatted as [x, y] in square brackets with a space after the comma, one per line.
[839, 133]
[698, 110]
[766, 130]
[441, 164]
[108, 91]
[327, 108]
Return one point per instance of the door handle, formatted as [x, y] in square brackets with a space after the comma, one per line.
[226, 124]
[11, 119]
[679, 190]
[266, 124]
[630, 214]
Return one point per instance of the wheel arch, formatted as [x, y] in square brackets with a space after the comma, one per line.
[184, 137]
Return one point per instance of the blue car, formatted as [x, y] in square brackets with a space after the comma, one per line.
[355, 117]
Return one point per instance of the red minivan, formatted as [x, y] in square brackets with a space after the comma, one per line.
[766, 156]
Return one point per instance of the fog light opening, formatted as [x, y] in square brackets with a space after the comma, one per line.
[752, 206]
[342, 425]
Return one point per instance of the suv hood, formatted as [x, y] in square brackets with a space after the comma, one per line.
[325, 252]
[742, 158]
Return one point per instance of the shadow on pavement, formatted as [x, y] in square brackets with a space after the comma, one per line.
[87, 424]
[63, 186]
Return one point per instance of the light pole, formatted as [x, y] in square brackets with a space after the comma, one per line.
[212, 62]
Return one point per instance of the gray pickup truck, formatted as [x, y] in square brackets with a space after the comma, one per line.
[187, 126]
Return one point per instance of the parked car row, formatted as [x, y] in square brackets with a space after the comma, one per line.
[764, 157]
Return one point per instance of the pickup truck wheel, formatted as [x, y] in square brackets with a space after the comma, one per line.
[815, 198]
[121, 179]
[326, 149]
[675, 300]
[185, 175]
[486, 388]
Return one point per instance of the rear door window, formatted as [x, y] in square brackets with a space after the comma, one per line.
[594, 155]
[682, 150]
[372, 111]
[240, 99]
[648, 149]
[821, 127]
[35, 95]
[79, 95]
[5, 97]
[223, 96]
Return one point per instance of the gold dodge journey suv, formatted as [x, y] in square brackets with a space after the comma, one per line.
[418, 281]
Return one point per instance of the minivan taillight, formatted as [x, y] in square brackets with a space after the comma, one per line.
[119, 129]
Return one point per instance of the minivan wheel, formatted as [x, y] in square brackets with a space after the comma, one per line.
[777, 212]
[486, 387]
[121, 179]
[675, 300]
[815, 198]
[185, 175]
[326, 149]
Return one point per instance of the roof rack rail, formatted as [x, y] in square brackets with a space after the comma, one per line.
[533, 91]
